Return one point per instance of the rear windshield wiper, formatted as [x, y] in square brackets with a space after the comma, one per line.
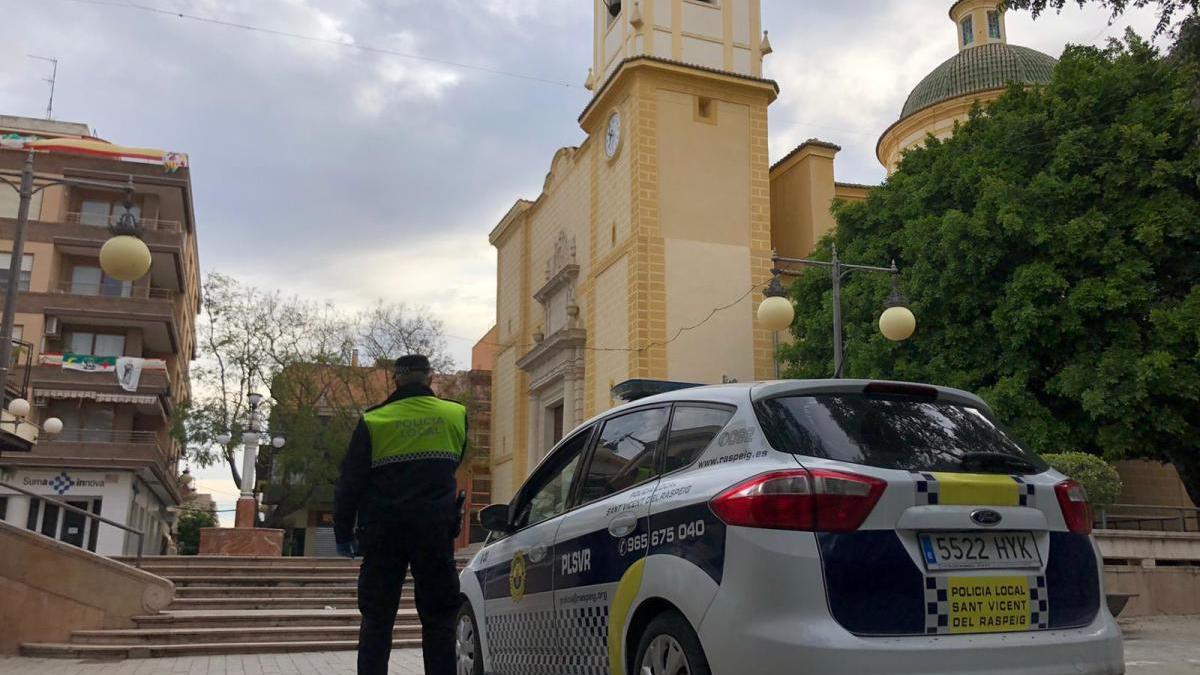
[998, 460]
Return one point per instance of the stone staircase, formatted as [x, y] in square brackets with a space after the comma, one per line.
[242, 606]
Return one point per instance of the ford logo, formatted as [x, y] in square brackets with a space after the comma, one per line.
[986, 517]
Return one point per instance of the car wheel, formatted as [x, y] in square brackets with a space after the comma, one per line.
[669, 646]
[468, 655]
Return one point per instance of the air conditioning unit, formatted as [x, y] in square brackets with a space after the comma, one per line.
[52, 326]
[40, 401]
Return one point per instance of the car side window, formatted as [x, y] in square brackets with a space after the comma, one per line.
[547, 497]
[625, 453]
[693, 429]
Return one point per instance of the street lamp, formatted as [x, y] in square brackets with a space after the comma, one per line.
[252, 437]
[188, 480]
[124, 257]
[897, 322]
[776, 313]
[19, 408]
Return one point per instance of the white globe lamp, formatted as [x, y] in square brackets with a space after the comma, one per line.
[19, 407]
[125, 258]
[775, 312]
[53, 426]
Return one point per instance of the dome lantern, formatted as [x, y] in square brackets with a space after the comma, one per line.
[979, 22]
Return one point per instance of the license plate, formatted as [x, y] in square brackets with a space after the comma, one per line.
[964, 605]
[979, 550]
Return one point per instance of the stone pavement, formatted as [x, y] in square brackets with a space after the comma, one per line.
[1153, 646]
[404, 662]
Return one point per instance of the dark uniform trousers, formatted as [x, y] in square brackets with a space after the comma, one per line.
[388, 553]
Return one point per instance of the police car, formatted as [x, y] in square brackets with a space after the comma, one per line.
[822, 527]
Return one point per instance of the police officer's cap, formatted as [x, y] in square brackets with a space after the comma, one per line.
[413, 363]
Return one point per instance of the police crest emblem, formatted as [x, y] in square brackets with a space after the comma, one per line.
[516, 577]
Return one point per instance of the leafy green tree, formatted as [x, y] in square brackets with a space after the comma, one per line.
[1168, 10]
[189, 526]
[1099, 478]
[1051, 253]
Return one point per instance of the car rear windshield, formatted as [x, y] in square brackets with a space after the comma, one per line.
[893, 433]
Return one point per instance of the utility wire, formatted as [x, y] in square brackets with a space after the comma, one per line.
[328, 41]
[679, 333]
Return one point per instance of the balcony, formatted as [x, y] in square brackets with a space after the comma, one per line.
[167, 241]
[107, 449]
[113, 290]
[152, 309]
[106, 437]
[101, 447]
[149, 224]
[49, 380]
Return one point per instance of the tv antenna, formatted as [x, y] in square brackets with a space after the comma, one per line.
[52, 79]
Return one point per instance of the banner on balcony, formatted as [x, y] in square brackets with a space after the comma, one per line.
[89, 363]
[129, 372]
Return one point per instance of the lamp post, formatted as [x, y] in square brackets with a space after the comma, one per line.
[252, 437]
[125, 257]
[776, 313]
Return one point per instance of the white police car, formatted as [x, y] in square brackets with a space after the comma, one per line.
[790, 527]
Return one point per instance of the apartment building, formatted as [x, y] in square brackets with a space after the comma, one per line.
[74, 326]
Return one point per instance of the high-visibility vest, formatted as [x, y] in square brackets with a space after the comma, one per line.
[416, 428]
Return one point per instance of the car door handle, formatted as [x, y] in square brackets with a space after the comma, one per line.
[537, 553]
[622, 524]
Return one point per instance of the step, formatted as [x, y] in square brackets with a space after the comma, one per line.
[260, 561]
[341, 602]
[177, 636]
[250, 570]
[73, 651]
[196, 592]
[243, 580]
[261, 618]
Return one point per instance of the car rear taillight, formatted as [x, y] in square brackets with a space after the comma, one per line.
[815, 501]
[1077, 513]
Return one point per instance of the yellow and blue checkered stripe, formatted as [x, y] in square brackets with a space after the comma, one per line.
[972, 489]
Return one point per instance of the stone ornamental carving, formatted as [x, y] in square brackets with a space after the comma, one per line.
[563, 256]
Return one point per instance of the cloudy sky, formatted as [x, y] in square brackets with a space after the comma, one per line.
[353, 175]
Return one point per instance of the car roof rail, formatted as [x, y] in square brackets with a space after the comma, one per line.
[634, 390]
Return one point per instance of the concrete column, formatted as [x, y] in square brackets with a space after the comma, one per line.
[533, 446]
[247, 505]
[18, 511]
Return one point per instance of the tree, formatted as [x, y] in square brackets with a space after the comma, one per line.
[1167, 9]
[1051, 253]
[190, 523]
[1098, 478]
[305, 355]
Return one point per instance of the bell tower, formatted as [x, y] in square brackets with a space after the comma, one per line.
[723, 35]
[677, 132]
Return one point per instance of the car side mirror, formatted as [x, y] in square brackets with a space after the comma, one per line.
[494, 518]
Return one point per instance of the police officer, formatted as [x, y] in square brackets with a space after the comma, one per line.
[398, 481]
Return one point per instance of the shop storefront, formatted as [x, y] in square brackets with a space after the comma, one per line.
[120, 496]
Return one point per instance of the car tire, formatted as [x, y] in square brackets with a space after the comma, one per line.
[468, 655]
[669, 646]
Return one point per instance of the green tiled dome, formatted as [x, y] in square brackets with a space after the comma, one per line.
[989, 66]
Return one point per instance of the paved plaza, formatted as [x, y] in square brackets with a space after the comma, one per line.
[404, 662]
[1153, 646]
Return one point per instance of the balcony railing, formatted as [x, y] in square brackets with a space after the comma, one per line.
[155, 224]
[19, 368]
[107, 436]
[1152, 518]
[113, 290]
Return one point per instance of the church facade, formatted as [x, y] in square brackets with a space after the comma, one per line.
[646, 253]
